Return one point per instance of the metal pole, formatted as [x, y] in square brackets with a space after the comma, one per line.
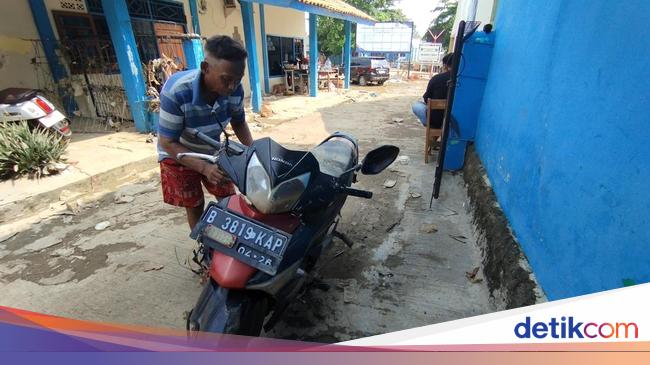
[408, 74]
[265, 55]
[313, 54]
[348, 52]
[251, 47]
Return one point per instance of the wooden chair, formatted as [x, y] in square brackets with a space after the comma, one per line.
[432, 134]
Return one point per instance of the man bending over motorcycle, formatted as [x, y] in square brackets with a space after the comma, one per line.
[206, 99]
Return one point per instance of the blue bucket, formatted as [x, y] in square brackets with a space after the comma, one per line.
[455, 155]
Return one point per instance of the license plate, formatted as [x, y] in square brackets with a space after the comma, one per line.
[52, 118]
[250, 242]
[381, 71]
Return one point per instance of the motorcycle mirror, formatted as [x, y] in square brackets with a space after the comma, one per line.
[379, 159]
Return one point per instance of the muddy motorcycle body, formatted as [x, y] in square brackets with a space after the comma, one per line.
[260, 246]
[30, 105]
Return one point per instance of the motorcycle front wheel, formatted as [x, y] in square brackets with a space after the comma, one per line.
[221, 310]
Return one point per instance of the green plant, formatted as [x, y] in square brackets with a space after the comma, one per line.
[24, 150]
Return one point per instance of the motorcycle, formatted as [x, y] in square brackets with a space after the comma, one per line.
[260, 246]
[28, 104]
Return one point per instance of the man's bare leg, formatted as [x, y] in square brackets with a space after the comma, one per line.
[194, 215]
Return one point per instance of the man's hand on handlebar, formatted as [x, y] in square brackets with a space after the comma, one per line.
[214, 174]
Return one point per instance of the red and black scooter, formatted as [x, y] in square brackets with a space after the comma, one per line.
[259, 245]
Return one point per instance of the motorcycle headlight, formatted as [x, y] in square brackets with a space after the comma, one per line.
[272, 201]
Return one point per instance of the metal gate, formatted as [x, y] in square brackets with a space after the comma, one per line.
[88, 52]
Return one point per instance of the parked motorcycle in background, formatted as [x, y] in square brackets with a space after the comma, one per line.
[258, 247]
[18, 104]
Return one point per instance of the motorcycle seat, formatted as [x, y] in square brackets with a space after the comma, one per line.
[335, 156]
[15, 95]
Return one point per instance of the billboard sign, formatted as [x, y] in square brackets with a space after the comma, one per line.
[384, 37]
[429, 52]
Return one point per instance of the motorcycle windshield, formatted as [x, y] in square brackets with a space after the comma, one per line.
[279, 180]
[277, 177]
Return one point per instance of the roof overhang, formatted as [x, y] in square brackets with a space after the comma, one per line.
[314, 7]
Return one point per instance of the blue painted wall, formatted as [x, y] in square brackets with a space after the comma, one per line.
[564, 133]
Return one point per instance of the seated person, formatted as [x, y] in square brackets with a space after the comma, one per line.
[436, 89]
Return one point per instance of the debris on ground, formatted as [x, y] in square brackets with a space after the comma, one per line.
[398, 120]
[459, 238]
[266, 111]
[102, 225]
[403, 160]
[429, 228]
[390, 183]
[67, 219]
[62, 252]
[349, 290]
[414, 195]
[150, 138]
[471, 276]
[374, 95]
[123, 199]
[56, 167]
[153, 267]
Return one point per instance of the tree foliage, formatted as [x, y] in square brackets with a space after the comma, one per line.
[331, 35]
[444, 14]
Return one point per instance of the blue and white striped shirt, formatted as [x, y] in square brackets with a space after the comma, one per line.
[182, 106]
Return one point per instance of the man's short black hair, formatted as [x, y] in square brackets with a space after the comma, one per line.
[447, 59]
[225, 48]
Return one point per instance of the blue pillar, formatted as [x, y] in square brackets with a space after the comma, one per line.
[48, 40]
[313, 54]
[348, 52]
[195, 17]
[251, 47]
[193, 50]
[119, 25]
[265, 53]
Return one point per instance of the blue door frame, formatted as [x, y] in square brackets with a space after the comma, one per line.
[128, 59]
[251, 47]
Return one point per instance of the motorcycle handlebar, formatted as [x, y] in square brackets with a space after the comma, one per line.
[204, 138]
[232, 146]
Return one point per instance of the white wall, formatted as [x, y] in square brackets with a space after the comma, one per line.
[17, 51]
[483, 14]
[278, 21]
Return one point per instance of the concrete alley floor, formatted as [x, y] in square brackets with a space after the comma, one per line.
[407, 269]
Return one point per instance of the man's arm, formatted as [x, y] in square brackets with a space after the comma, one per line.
[170, 127]
[243, 133]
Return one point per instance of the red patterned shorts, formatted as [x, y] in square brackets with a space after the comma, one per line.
[181, 185]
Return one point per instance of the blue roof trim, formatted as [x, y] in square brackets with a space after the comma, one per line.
[296, 5]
